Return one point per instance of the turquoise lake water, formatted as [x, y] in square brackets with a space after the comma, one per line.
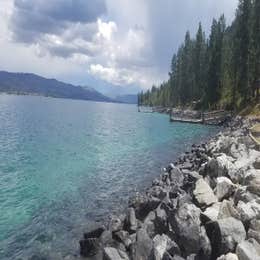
[66, 164]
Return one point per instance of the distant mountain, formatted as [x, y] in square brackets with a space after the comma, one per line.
[31, 84]
[129, 99]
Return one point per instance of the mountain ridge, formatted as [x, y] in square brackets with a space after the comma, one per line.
[32, 84]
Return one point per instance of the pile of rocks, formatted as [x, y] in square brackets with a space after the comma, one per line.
[204, 206]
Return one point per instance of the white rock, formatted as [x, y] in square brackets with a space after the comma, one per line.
[111, 253]
[160, 246]
[232, 230]
[248, 211]
[212, 212]
[225, 187]
[248, 250]
[252, 177]
[228, 256]
[204, 194]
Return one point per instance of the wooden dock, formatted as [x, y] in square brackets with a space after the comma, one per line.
[217, 117]
[186, 120]
[209, 118]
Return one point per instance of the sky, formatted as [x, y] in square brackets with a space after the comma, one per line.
[112, 45]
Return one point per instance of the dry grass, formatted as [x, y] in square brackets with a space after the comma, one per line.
[252, 110]
[255, 132]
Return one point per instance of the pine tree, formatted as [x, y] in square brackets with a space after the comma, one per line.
[242, 38]
[199, 63]
[255, 45]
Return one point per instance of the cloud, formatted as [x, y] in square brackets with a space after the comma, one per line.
[32, 18]
[124, 43]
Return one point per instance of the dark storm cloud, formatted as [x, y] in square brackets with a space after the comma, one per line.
[31, 18]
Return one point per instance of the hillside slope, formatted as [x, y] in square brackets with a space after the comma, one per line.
[31, 84]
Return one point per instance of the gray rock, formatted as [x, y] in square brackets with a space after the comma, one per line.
[158, 192]
[167, 256]
[248, 211]
[191, 257]
[106, 237]
[161, 221]
[255, 224]
[227, 210]
[131, 222]
[254, 230]
[111, 253]
[143, 246]
[115, 224]
[252, 177]
[220, 166]
[229, 256]
[176, 176]
[160, 246]
[254, 234]
[177, 257]
[203, 194]
[225, 234]
[248, 250]
[225, 188]
[143, 204]
[123, 237]
[211, 213]
[186, 225]
[205, 244]
[242, 194]
[254, 189]
[256, 163]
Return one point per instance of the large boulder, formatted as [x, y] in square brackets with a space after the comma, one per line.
[227, 210]
[249, 210]
[203, 194]
[242, 194]
[222, 145]
[225, 234]
[254, 230]
[248, 250]
[143, 247]
[187, 226]
[220, 166]
[162, 245]
[225, 188]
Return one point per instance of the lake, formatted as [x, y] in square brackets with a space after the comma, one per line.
[67, 164]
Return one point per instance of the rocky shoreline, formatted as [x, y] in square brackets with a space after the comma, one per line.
[204, 206]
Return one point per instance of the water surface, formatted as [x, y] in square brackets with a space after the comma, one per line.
[65, 164]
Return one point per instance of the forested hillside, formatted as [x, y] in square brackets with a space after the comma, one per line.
[221, 71]
[31, 84]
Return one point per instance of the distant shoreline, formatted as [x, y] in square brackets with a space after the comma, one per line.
[38, 95]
